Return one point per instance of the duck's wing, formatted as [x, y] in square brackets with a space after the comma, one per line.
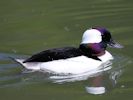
[55, 54]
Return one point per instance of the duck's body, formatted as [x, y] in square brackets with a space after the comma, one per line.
[70, 60]
[74, 65]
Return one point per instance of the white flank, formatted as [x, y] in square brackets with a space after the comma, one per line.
[75, 65]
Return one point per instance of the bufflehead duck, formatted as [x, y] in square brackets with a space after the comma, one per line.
[88, 56]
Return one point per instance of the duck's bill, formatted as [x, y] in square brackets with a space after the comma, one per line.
[114, 44]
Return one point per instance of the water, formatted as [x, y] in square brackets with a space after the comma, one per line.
[27, 27]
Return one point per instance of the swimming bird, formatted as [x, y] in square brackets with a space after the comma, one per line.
[90, 54]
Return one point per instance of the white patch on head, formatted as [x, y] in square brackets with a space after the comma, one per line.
[91, 36]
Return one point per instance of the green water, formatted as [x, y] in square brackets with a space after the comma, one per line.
[29, 26]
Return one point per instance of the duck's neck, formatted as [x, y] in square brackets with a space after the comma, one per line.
[99, 54]
[93, 49]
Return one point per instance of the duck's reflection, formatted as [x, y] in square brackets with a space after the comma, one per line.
[104, 82]
[96, 85]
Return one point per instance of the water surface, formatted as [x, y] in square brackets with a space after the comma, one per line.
[29, 26]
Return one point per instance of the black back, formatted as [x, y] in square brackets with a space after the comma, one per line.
[59, 53]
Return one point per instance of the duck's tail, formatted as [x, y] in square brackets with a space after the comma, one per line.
[30, 65]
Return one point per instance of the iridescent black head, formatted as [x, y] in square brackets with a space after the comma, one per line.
[107, 38]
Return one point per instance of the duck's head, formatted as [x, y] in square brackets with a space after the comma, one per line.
[95, 40]
[99, 36]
